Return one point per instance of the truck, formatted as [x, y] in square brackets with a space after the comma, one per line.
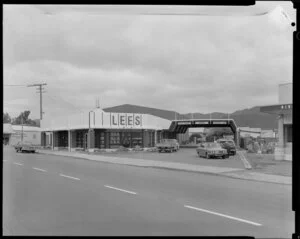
[168, 145]
[25, 147]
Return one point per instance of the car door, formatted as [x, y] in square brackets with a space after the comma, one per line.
[201, 150]
[204, 150]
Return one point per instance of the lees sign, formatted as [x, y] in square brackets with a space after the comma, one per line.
[129, 120]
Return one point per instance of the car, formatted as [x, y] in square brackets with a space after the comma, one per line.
[229, 145]
[211, 150]
[168, 145]
[25, 147]
[175, 142]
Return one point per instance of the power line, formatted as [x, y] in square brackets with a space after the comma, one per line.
[16, 85]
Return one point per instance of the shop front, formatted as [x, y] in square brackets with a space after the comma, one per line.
[101, 130]
[284, 112]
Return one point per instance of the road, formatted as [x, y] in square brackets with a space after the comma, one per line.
[51, 195]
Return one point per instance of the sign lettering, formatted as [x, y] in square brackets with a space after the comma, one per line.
[122, 120]
[129, 120]
[114, 121]
[184, 123]
[221, 122]
[137, 120]
[199, 122]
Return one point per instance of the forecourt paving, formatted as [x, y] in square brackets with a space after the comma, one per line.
[112, 199]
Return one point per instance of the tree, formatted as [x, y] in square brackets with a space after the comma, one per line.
[6, 118]
[195, 135]
[25, 116]
[215, 133]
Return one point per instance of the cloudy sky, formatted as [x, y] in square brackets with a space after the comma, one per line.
[187, 63]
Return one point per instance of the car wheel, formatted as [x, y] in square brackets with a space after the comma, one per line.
[224, 157]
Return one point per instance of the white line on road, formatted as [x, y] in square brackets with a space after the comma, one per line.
[120, 189]
[66, 176]
[4, 160]
[39, 169]
[18, 164]
[223, 215]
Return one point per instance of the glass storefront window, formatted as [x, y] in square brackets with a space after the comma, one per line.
[136, 139]
[114, 138]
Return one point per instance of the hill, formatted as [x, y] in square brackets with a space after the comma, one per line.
[247, 117]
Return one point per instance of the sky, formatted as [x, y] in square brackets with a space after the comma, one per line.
[187, 63]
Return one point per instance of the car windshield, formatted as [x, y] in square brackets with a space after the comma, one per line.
[230, 143]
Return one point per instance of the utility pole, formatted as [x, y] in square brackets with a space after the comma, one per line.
[22, 128]
[40, 88]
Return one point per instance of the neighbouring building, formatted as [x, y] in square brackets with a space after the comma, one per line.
[284, 111]
[12, 134]
[256, 132]
[7, 132]
[97, 129]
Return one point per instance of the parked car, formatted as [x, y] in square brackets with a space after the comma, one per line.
[25, 147]
[210, 150]
[229, 145]
[168, 145]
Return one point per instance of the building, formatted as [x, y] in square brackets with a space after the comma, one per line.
[256, 132]
[97, 129]
[12, 134]
[283, 110]
[7, 132]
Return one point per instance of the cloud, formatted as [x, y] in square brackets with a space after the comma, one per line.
[182, 63]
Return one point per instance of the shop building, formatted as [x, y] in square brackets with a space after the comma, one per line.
[97, 129]
[284, 111]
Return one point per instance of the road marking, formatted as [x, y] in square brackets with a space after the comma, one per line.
[4, 160]
[39, 169]
[66, 176]
[18, 164]
[120, 189]
[245, 161]
[223, 215]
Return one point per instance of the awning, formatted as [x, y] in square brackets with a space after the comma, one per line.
[277, 109]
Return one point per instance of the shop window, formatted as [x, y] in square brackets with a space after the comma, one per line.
[80, 139]
[136, 139]
[114, 138]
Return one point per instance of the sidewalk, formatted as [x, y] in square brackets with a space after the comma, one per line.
[223, 171]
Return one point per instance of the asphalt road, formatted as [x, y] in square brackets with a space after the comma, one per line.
[50, 195]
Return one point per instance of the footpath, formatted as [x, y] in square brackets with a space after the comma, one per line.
[245, 174]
